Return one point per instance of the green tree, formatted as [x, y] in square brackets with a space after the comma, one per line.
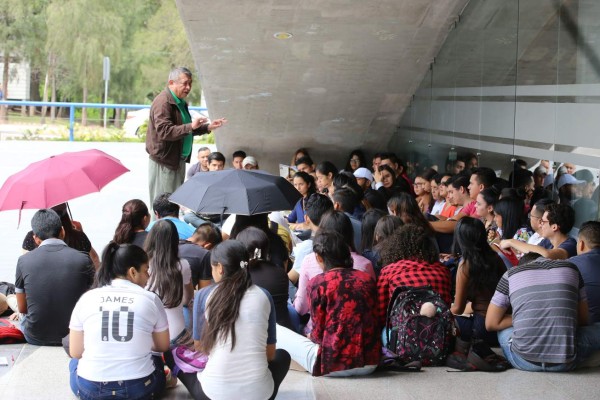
[83, 32]
[161, 45]
[22, 28]
[125, 74]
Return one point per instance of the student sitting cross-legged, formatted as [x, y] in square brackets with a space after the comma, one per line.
[234, 324]
[548, 329]
[115, 327]
[344, 340]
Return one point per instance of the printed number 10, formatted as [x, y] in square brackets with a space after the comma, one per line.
[116, 317]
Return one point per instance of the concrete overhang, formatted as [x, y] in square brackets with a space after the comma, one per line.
[327, 75]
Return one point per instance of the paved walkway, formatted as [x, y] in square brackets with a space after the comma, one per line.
[99, 213]
[42, 373]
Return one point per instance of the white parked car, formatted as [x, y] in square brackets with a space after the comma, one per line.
[137, 118]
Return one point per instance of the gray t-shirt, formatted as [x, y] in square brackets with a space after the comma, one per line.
[544, 296]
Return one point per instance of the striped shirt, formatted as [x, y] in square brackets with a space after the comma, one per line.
[544, 296]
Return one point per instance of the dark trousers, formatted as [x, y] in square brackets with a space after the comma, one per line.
[279, 368]
[473, 328]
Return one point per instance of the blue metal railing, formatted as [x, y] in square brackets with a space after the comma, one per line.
[72, 107]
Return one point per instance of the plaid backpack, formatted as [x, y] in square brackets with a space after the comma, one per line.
[414, 337]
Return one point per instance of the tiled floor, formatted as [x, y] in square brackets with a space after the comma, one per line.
[42, 373]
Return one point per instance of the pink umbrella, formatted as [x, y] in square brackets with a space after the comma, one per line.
[58, 179]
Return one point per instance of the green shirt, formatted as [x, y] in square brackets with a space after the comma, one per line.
[188, 140]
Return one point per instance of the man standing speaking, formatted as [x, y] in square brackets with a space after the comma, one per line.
[170, 134]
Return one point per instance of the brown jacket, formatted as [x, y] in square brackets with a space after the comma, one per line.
[166, 130]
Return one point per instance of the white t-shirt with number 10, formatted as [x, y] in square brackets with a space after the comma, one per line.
[117, 323]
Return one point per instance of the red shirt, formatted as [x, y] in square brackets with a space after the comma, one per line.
[344, 326]
[470, 210]
[411, 273]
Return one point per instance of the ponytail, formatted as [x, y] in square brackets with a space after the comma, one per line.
[223, 307]
[116, 260]
[132, 218]
[256, 242]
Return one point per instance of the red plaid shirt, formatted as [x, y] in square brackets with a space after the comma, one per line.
[411, 273]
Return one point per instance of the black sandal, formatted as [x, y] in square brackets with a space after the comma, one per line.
[480, 358]
[394, 364]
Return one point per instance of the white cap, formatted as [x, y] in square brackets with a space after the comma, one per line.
[249, 160]
[363, 173]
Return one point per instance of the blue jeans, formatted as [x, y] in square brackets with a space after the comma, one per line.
[505, 339]
[588, 341]
[148, 387]
[294, 317]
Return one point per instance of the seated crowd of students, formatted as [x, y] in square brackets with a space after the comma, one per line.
[229, 307]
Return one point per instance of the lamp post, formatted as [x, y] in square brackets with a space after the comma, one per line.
[106, 77]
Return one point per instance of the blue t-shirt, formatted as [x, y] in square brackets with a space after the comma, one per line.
[185, 231]
[588, 264]
[297, 214]
[569, 245]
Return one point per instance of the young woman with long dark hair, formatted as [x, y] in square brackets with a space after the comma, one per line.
[234, 324]
[326, 171]
[509, 217]
[356, 159]
[368, 223]
[389, 183]
[410, 258]
[278, 251]
[305, 185]
[134, 221]
[298, 154]
[484, 205]
[170, 277]
[266, 274]
[422, 187]
[114, 328]
[339, 222]
[479, 271]
[344, 340]
[385, 228]
[406, 207]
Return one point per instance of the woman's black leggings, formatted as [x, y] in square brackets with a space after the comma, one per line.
[473, 328]
[279, 367]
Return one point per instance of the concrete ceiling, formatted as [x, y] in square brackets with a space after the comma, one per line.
[342, 81]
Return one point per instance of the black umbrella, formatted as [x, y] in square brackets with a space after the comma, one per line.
[233, 191]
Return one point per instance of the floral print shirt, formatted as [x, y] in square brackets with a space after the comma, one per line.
[344, 325]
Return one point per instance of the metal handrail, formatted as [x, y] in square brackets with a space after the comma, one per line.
[72, 107]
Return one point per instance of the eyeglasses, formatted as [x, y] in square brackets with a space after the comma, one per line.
[530, 215]
[544, 221]
[418, 184]
[354, 160]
